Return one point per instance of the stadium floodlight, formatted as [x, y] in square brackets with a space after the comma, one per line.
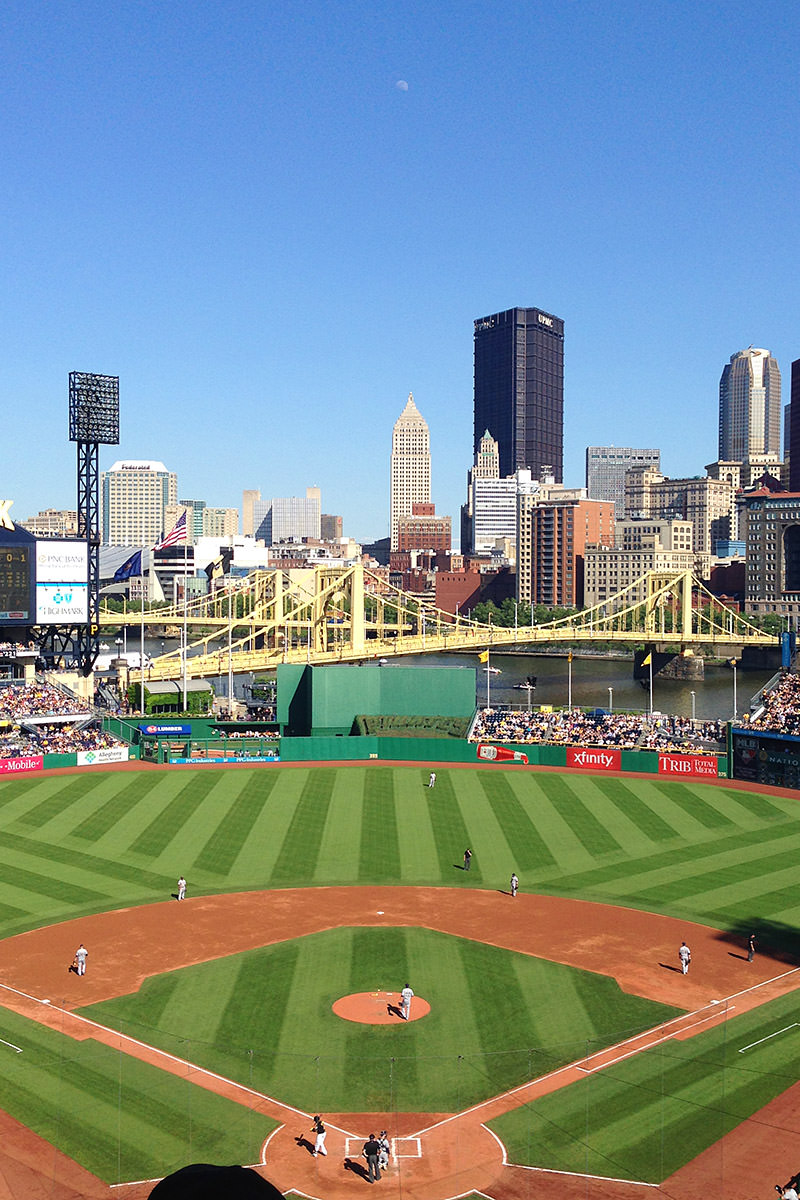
[94, 408]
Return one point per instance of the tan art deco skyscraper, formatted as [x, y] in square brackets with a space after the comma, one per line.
[410, 465]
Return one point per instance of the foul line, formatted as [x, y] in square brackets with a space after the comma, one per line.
[786, 1028]
[11, 1044]
[650, 1044]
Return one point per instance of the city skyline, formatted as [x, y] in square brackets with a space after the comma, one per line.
[241, 168]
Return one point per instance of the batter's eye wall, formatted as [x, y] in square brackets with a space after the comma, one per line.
[324, 701]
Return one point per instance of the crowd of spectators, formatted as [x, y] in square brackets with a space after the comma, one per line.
[781, 711]
[12, 649]
[625, 731]
[54, 739]
[39, 700]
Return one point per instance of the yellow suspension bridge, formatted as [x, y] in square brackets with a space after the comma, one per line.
[325, 615]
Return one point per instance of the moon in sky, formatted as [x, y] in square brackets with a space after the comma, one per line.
[401, 85]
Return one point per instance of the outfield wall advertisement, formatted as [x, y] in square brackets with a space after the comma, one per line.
[21, 766]
[96, 758]
[697, 766]
[594, 758]
[62, 582]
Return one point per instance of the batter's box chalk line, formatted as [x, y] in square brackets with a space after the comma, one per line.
[410, 1147]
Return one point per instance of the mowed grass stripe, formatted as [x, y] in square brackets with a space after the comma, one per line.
[630, 804]
[169, 822]
[758, 806]
[298, 854]
[565, 797]
[696, 803]
[379, 859]
[67, 790]
[55, 887]
[706, 849]
[340, 849]
[419, 860]
[521, 831]
[727, 875]
[450, 833]
[73, 1094]
[66, 856]
[646, 1117]
[222, 847]
[124, 800]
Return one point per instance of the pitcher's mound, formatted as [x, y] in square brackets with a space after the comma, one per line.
[378, 1008]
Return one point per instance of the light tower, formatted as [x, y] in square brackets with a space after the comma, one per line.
[93, 422]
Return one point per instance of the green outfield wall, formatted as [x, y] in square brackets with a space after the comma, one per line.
[324, 701]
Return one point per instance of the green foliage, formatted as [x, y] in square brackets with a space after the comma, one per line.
[504, 614]
[416, 727]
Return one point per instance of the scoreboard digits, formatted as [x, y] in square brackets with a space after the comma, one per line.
[15, 583]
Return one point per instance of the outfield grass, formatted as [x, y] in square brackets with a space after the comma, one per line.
[649, 1115]
[78, 844]
[497, 1019]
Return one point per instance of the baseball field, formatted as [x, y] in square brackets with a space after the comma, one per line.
[560, 1018]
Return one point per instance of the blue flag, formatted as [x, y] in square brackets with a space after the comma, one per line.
[131, 566]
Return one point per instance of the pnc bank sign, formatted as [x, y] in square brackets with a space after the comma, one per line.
[5, 519]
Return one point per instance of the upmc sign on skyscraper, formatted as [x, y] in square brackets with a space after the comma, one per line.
[519, 389]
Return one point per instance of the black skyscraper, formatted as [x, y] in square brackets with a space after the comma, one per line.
[794, 430]
[519, 388]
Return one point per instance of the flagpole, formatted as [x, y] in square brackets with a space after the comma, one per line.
[230, 652]
[569, 684]
[488, 705]
[651, 684]
[185, 616]
[141, 647]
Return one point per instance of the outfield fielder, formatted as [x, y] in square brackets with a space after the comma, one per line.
[514, 883]
[181, 888]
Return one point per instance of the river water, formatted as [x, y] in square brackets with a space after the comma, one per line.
[592, 677]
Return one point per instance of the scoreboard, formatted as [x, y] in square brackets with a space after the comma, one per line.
[16, 578]
[43, 581]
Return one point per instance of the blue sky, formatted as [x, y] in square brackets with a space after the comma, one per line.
[234, 207]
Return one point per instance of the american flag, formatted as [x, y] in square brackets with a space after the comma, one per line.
[176, 534]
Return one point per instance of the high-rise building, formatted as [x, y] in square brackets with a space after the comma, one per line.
[552, 537]
[134, 496]
[708, 503]
[519, 389]
[606, 467]
[750, 407]
[486, 466]
[330, 527]
[249, 524]
[423, 530]
[410, 466]
[290, 518]
[794, 429]
[220, 522]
